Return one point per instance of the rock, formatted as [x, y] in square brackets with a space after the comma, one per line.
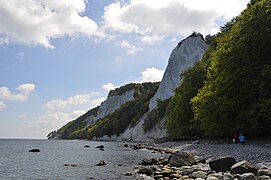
[244, 167]
[87, 146]
[146, 170]
[158, 176]
[138, 146]
[128, 174]
[199, 174]
[101, 163]
[172, 176]
[264, 177]
[187, 172]
[266, 172]
[163, 161]
[199, 179]
[201, 160]
[120, 165]
[71, 165]
[216, 174]
[99, 147]
[222, 164]
[167, 172]
[182, 159]
[212, 178]
[34, 150]
[149, 161]
[226, 177]
[125, 145]
[237, 176]
[248, 176]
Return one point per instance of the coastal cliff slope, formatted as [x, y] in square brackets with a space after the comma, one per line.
[183, 56]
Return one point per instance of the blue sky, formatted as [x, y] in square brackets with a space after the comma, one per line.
[58, 59]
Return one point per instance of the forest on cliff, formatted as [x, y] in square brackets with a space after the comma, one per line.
[229, 90]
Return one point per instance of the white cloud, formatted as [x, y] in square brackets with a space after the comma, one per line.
[109, 86]
[2, 105]
[36, 22]
[151, 75]
[79, 99]
[20, 55]
[151, 39]
[60, 118]
[162, 17]
[4, 40]
[22, 116]
[24, 89]
[131, 49]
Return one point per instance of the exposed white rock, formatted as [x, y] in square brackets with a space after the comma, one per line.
[184, 56]
[111, 104]
[137, 133]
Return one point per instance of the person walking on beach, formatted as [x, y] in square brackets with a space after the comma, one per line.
[235, 138]
[242, 139]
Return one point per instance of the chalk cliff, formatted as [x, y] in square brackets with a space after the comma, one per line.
[183, 56]
[111, 104]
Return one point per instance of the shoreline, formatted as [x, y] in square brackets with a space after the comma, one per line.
[254, 154]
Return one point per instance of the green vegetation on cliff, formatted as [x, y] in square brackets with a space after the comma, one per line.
[74, 129]
[124, 117]
[229, 90]
[127, 115]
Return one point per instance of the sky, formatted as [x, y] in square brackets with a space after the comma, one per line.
[59, 59]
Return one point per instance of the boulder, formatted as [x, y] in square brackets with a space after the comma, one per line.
[226, 177]
[149, 161]
[181, 158]
[244, 167]
[128, 174]
[248, 176]
[212, 178]
[87, 146]
[199, 174]
[266, 172]
[99, 147]
[264, 177]
[34, 150]
[222, 164]
[71, 165]
[146, 170]
[167, 172]
[125, 145]
[101, 163]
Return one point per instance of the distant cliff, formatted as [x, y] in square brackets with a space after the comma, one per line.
[125, 99]
[131, 111]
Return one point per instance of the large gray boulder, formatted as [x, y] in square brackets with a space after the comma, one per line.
[182, 159]
[222, 164]
[244, 167]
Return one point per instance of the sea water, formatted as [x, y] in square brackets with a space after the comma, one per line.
[16, 162]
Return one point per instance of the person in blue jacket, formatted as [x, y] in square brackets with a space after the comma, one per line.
[242, 139]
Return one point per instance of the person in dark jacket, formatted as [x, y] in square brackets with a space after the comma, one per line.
[242, 139]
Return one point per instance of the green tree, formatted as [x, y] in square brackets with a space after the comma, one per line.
[236, 96]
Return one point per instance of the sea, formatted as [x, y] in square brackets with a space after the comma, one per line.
[16, 162]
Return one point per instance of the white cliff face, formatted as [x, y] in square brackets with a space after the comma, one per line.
[137, 133]
[184, 56]
[111, 104]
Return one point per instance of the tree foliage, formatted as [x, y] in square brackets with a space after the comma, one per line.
[236, 94]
